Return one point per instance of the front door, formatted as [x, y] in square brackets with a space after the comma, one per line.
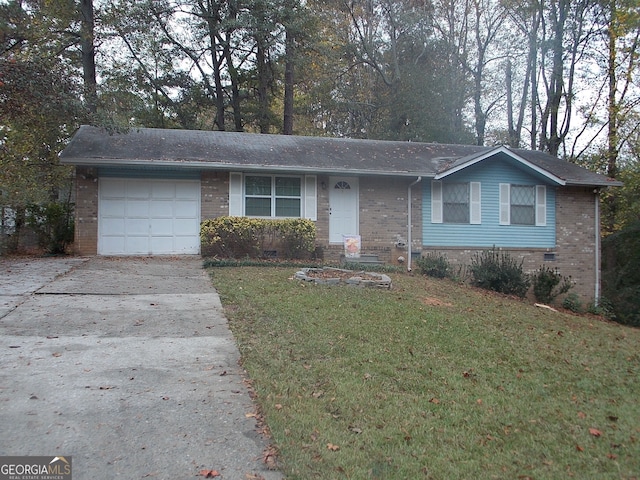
[343, 208]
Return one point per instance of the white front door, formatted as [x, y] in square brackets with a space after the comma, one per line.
[343, 208]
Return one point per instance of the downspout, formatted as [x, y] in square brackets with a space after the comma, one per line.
[597, 255]
[409, 240]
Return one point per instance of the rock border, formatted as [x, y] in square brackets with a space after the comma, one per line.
[356, 280]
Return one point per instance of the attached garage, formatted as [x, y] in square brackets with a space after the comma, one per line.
[142, 216]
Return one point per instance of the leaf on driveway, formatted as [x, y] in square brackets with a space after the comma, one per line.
[209, 473]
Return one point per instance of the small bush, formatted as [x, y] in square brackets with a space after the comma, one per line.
[572, 302]
[493, 270]
[243, 237]
[53, 225]
[603, 307]
[548, 284]
[434, 265]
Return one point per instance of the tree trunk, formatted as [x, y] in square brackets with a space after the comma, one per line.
[87, 49]
[287, 127]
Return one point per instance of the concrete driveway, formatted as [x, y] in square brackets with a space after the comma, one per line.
[125, 364]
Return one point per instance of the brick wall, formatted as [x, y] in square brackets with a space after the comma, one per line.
[86, 216]
[214, 194]
[383, 217]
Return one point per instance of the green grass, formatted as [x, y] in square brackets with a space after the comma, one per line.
[433, 380]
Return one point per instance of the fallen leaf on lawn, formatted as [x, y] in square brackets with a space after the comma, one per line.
[612, 456]
[582, 415]
[579, 448]
[332, 447]
[278, 406]
[209, 473]
[270, 457]
[434, 401]
[355, 429]
[595, 432]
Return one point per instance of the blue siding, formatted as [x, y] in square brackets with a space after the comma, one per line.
[149, 172]
[491, 173]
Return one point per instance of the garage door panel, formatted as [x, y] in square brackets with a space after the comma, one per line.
[185, 245]
[161, 209]
[113, 208]
[184, 191]
[115, 226]
[185, 208]
[137, 208]
[163, 190]
[113, 188]
[139, 190]
[143, 216]
[137, 245]
[112, 244]
[136, 226]
[162, 227]
[184, 225]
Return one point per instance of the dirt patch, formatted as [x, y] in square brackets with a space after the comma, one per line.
[434, 302]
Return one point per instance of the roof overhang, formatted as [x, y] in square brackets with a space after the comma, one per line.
[474, 159]
[128, 163]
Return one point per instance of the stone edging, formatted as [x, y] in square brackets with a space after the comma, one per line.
[342, 277]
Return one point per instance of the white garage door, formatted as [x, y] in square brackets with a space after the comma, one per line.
[148, 217]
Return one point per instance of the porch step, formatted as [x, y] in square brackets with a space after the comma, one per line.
[368, 259]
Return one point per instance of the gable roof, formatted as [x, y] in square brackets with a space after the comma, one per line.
[235, 151]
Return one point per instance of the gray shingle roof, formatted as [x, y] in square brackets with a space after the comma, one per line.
[149, 147]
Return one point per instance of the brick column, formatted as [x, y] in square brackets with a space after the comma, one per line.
[86, 212]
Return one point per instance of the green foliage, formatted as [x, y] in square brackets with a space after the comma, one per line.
[238, 237]
[621, 274]
[548, 284]
[53, 225]
[434, 265]
[572, 302]
[497, 271]
[603, 308]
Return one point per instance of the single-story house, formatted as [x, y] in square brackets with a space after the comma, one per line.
[146, 191]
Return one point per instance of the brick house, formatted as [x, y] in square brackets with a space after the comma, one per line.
[145, 192]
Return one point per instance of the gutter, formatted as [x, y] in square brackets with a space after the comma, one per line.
[596, 299]
[409, 239]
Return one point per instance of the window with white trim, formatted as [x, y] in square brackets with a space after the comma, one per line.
[453, 202]
[273, 196]
[523, 204]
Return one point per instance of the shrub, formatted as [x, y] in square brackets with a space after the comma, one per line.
[493, 270]
[548, 284]
[241, 237]
[572, 302]
[434, 265]
[53, 225]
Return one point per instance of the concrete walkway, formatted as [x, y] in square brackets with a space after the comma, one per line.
[125, 364]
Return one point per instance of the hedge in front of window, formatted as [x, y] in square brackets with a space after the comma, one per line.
[241, 237]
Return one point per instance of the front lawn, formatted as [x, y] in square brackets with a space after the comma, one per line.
[433, 380]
